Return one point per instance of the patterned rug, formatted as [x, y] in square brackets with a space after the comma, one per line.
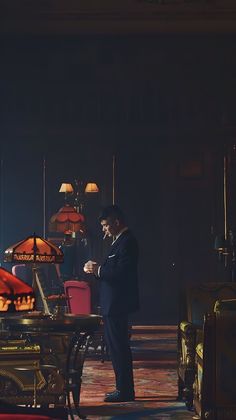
[154, 352]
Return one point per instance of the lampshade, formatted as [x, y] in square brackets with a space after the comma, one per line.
[15, 295]
[13, 283]
[67, 218]
[91, 187]
[66, 188]
[34, 249]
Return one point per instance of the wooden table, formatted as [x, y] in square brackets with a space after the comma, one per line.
[63, 343]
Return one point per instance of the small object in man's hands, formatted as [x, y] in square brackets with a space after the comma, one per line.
[88, 266]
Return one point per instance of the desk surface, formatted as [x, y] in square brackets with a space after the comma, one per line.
[44, 323]
[63, 343]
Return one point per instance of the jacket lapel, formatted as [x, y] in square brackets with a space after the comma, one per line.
[117, 242]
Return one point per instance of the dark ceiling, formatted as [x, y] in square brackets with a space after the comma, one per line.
[118, 17]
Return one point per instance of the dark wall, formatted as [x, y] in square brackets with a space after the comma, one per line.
[163, 105]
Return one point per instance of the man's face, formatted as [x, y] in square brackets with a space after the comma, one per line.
[110, 227]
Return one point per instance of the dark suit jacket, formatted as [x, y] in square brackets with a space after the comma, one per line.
[118, 277]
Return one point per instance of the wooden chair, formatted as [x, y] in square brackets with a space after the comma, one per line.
[78, 296]
[199, 300]
[215, 379]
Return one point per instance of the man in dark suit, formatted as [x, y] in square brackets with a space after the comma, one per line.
[119, 296]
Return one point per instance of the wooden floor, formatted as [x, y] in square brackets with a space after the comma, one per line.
[154, 351]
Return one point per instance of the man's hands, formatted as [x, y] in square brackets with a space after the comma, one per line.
[91, 267]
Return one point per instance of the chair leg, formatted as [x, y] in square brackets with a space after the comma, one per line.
[188, 398]
[180, 395]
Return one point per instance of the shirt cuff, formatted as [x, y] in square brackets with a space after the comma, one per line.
[99, 268]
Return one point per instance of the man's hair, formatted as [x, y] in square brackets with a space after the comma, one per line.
[113, 212]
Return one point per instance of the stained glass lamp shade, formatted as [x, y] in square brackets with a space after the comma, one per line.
[15, 295]
[34, 249]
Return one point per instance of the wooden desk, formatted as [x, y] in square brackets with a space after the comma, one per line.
[63, 343]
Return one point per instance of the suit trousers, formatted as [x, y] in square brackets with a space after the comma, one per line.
[116, 332]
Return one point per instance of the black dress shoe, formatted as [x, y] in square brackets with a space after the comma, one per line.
[118, 396]
[110, 392]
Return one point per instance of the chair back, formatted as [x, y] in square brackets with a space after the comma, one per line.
[78, 295]
[215, 379]
[201, 299]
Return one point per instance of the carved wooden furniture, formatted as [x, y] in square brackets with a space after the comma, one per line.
[215, 380]
[199, 300]
[45, 340]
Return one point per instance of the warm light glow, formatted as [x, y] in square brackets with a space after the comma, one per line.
[91, 187]
[36, 258]
[24, 303]
[10, 284]
[67, 218]
[13, 291]
[4, 304]
[34, 249]
[66, 188]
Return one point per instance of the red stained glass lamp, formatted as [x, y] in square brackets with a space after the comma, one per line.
[14, 292]
[67, 219]
[33, 249]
